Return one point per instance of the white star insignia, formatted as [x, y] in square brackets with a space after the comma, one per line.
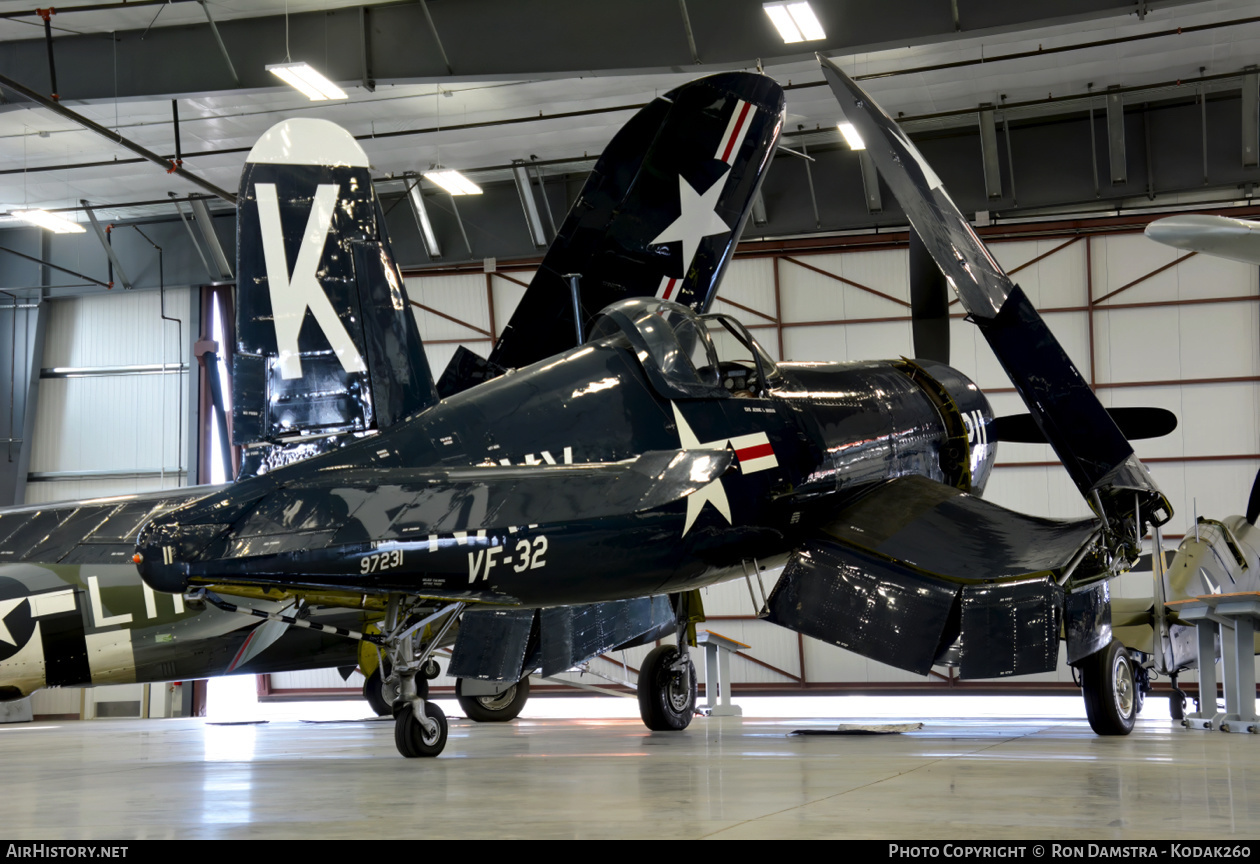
[7, 606]
[696, 220]
[714, 493]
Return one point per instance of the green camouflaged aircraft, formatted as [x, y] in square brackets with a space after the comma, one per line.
[90, 621]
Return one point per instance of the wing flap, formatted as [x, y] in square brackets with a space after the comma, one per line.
[917, 573]
[868, 605]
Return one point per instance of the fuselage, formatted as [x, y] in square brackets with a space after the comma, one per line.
[74, 625]
[807, 438]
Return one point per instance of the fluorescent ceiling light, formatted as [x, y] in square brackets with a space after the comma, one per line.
[48, 221]
[795, 21]
[302, 77]
[422, 219]
[851, 136]
[452, 181]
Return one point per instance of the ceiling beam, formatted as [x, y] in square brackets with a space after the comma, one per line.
[482, 40]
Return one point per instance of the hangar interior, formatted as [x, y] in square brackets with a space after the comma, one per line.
[1060, 128]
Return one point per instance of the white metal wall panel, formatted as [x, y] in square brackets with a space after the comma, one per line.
[56, 701]
[461, 296]
[115, 329]
[507, 294]
[1039, 491]
[829, 342]
[750, 283]
[91, 423]
[810, 296]
[112, 422]
[51, 491]
[1061, 273]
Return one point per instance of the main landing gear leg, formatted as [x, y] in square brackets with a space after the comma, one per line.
[667, 686]
[419, 726]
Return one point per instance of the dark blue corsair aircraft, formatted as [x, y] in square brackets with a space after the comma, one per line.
[558, 503]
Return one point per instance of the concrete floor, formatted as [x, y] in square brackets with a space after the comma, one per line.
[731, 778]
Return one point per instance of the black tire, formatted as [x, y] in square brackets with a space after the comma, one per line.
[374, 693]
[494, 709]
[410, 737]
[1177, 705]
[1110, 690]
[665, 702]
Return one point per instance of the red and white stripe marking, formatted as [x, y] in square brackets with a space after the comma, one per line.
[754, 453]
[736, 129]
[669, 287]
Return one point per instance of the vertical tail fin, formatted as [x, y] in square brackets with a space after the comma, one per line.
[659, 215]
[326, 347]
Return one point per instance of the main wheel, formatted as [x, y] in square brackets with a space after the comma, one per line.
[414, 740]
[1110, 690]
[667, 699]
[493, 709]
[379, 698]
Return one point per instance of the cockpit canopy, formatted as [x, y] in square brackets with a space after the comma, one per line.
[687, 355]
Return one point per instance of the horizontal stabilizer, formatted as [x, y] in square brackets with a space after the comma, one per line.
[99, 531]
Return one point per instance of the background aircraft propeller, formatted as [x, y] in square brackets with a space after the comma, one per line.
[1253, 503]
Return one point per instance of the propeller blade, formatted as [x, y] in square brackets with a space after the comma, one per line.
[1136, 424]
[1097, 456]
[929, 304]
[1253, 503]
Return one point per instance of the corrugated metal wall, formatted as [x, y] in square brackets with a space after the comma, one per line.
[105, 417]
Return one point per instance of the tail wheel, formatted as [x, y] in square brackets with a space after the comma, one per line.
[667, 698]
[1110, 689]
[497, 708]
[413, 739]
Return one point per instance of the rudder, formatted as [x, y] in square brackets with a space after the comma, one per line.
[326, 347]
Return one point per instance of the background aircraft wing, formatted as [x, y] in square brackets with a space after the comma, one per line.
[916, 572]
[1236, 239]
